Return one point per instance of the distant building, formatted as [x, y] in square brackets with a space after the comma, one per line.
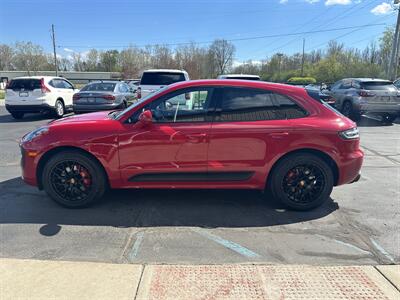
[75, 77]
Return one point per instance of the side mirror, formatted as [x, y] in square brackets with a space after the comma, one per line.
[187, 96]
[168, 105]
[146, 118]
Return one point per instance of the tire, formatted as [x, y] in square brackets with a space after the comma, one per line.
[348, 111]
[59, 109]
[284, 177]
[388, 118]
[88, 177]
[17, 115]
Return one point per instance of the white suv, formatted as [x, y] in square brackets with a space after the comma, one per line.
[153, 80]
[39, 94]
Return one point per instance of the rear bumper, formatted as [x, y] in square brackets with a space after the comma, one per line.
[379, 108]
[29, 108]
[94, 107]
[350, 167]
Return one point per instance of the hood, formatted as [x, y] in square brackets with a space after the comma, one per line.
[84, 118]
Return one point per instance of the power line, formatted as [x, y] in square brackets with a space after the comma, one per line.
[231, 40]
[329, 21]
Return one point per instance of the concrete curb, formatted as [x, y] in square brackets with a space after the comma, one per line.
[33, 279]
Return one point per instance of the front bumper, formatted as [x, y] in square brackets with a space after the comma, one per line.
[95, 107]
[28, 167]
[29, 108]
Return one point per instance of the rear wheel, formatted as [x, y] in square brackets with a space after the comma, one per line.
[73, 179]
[388, 118]
[59, 109]
[17, 115]
[301, 181]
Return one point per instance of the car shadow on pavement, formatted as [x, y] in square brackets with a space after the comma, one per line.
[27, 118]
[22, 204]
[367, 121]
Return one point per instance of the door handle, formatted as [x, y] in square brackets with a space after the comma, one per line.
[279, 135]
[196, 138]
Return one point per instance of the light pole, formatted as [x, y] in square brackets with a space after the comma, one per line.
[394, 56]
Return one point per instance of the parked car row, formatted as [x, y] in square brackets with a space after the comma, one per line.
[351, 96]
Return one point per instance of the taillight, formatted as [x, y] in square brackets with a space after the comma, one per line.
[139, 93]
[108, 97]
[76, 97]
[331, 100]
[366, 94]
[44, 88]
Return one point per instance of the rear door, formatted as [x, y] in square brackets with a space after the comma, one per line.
[68, 92]
[249, 129]
[26, 91]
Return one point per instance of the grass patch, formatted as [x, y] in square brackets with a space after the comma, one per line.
[2, 95]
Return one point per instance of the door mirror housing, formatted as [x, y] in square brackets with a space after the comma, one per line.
[146, 118]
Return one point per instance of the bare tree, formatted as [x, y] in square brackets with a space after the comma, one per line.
[29, 57]
[221, 54]
[6, 56]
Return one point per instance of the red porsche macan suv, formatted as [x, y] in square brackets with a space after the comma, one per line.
[208, 134]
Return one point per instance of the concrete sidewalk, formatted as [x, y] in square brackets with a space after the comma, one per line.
[33, 279]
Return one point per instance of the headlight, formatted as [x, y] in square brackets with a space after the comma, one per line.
[34, 134]
[350, 134]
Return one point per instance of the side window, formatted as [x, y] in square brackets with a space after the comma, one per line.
[51, 83]
[356, 85]
[123, 88]
[184, 106]
[288, 109]
[242, 104]
[346, 84]
[336, 85]
[67, 85]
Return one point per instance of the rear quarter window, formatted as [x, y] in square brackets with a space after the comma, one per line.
[24, 84]
[154, 78]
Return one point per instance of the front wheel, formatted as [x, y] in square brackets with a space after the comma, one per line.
[73, 179]
[301, 181]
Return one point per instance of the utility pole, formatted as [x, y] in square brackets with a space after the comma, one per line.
[302, 58]
[54, 48]
[394, 57]
[279, 64]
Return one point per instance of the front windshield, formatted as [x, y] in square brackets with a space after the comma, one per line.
[137, 103]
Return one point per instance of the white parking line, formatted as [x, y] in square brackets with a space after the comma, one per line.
[136, 246]
[227, 244]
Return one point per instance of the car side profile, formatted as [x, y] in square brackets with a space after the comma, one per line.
[357, 96]
[103, 95]
[230, 134]
[36, 94]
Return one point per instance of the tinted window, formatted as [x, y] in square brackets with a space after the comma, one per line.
[376, 85]
[188, 106]
[288, 109]
[158, 78]
[99, 87]
[243, 78]
[241, 104]
[24, 84]
[345, 85]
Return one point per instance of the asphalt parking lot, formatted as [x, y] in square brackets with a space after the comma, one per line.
[359, 225]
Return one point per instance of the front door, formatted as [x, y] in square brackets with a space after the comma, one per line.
[174, 147]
